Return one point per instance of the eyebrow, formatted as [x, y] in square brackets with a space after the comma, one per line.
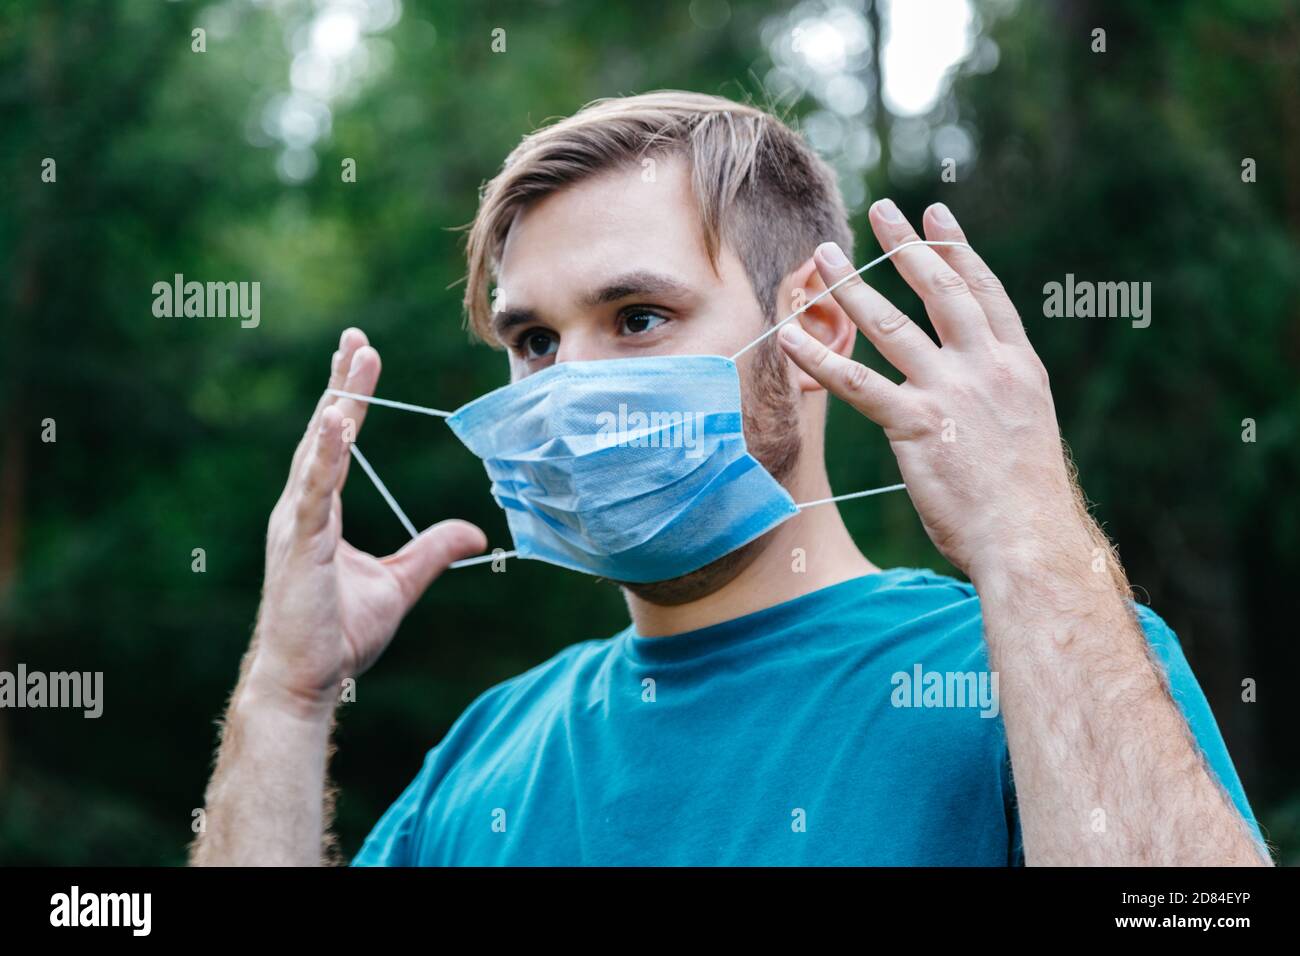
[639, 282]
[507, 319]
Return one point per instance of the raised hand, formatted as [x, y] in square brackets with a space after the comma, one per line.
[328, 609]
[973, 425]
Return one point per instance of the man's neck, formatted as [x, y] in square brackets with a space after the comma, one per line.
[812, 550]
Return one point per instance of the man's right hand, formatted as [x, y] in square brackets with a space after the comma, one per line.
[329, 610]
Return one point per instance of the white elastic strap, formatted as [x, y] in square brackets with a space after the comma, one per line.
[482, 559]
[855, 494]
[388, 403]
[406, 522]
[383, 489]
[839, 282]
[392, 502]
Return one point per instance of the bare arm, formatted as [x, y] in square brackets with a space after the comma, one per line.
[1107, 771]
[265, 804]
[1089, 722]
[328, 611]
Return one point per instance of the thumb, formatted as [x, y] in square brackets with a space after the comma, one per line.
[425, 557]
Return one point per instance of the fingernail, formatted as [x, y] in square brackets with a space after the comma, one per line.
[833, 254]
[942, 216]
[793, 334]
[888, 211]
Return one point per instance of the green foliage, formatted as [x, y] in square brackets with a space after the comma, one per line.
[176, 434]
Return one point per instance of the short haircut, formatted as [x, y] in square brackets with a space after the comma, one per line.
[757, 185]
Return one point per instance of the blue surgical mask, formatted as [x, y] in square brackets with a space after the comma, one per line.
[631, 469]
[634, 469]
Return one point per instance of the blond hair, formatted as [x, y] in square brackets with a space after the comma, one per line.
[757, 185]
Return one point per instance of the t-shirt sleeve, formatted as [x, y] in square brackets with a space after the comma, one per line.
[392, 839]
[395, 839]
[1189, 697]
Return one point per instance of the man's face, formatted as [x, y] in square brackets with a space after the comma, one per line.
[616, 267]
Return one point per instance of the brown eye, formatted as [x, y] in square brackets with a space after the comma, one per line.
[537, 344]
[634, 323]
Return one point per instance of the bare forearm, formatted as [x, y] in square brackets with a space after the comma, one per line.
[1106, 770]
[266, 801]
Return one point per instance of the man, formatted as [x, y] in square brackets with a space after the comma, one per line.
[774, 706]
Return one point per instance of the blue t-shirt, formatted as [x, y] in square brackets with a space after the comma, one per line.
[807, 733]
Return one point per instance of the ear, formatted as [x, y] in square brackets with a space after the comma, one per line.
[826, 321]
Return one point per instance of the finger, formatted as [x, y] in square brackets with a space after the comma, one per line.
[425, 557]
[940, 224]
[897, 338]
[361, 380]
[340, 362]
[869, 392]
[956, 315]
[320, 476]
[351, 340]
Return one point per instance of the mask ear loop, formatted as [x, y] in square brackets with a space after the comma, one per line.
[852, 494]
[383, 489]
[813, 301]
[839, 282]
